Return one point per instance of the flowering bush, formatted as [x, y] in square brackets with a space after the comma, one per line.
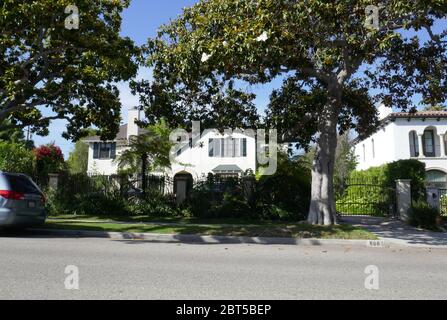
[49, 159]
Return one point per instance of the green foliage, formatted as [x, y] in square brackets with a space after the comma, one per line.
[371, 192]
[8, 132]
[148, 151]
[15, 157]
[287, 190]
[78, 159]
[423, 216]
[69, 73]
[389, 173]
[335, 67]
[154, 204]
[438, 107]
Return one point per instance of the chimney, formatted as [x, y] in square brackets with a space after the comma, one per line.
[384, 111]
[132, 116]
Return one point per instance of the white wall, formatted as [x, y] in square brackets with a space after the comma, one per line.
[197, 161]
[392, 143]
[384, 148]
[102, 167]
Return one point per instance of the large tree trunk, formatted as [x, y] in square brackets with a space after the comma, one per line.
[322, 206]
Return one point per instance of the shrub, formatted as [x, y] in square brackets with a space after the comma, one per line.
[154, 204]
[288, 190]
[49, 159]
[389, 173]
[97, 204]
[15, 157]
[376, 198]
[423, 216]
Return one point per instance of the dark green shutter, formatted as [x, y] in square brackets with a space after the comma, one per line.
[244, 147]
[211, 147]
[113, 150]
[95, 150]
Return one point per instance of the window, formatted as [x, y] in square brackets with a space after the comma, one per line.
[436, 178]
[364, 153]
[21, 184]
[227, 148]
[373, 148]
[104, 151]
[429, 143]
[414, 144]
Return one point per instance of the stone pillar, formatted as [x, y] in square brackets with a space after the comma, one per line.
[403, 198]
[433, 197]
[442, 143]
[421, 146]
[53, 181]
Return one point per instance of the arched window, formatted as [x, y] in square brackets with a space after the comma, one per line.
[414, 144]
[429, 143]
[436, 178]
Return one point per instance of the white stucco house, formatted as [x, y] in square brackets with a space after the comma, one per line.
[212, 152]
[421, 136]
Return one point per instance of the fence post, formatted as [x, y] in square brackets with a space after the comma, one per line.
[248, 187]
[433, 197]
[403, 198]
[53, 180]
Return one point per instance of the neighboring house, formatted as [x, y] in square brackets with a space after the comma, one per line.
[211, 153]
[420, 136]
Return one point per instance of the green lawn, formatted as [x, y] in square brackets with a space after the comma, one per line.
[224, 228]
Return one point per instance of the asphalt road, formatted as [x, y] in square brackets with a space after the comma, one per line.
[32, 266]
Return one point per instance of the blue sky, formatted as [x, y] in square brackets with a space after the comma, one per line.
[141, 21]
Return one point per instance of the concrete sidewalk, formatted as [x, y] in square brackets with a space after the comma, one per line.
[398, 232]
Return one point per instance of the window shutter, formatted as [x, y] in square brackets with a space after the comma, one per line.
[244, 147]
[95, 150]
[217, 149]
[211, 147]
[113, 150]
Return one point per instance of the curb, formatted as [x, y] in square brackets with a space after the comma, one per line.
[198, 239]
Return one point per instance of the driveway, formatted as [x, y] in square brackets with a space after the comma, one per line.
[398, 232]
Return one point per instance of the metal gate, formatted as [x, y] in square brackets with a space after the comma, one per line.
[443, 202]
[366, 198]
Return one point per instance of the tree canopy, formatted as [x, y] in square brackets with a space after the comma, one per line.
[50, 71]
[339, 58]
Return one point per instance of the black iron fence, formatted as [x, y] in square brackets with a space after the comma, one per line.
[125, 185]
[443, 202]
[366, 198]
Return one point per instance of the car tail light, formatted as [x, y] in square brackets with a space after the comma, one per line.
[12, 195]
[43, 199]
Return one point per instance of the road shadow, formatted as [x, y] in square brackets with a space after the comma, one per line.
[140, 238]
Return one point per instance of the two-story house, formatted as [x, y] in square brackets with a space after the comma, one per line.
[212, 152]
[401, 135]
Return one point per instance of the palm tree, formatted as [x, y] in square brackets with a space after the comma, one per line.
[147, 151]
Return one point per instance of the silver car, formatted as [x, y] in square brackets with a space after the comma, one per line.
[22, 203]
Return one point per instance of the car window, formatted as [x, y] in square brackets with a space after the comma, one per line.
[21, 184]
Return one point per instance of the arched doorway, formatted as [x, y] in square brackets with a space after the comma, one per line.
[183, 184]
